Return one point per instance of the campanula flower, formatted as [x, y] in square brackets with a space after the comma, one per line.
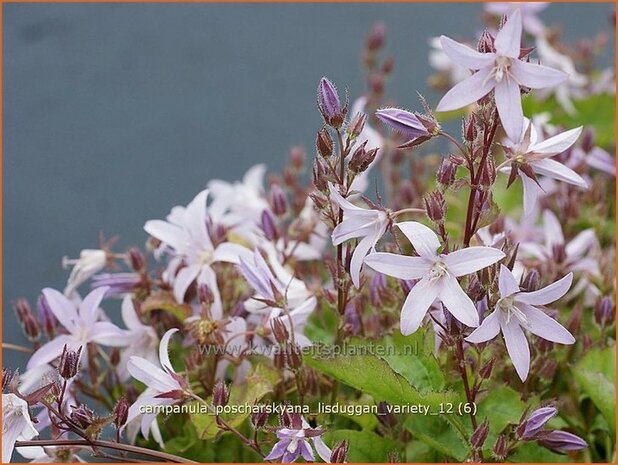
[16, 424]
[295, 442]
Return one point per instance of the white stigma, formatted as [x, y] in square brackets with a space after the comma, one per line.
[438, 270]
[507, 305]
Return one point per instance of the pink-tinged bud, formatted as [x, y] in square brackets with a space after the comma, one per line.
[259, 419]
[121, 412]
[376, 287]
[435, 206]
[574, 321]
[6, 378]
[69, 362]
[469, 128]
[269, 226]
[340, 452]
[294, 356]
[83, 416]
[356, 125]
[320, 172]
[548, 370]
[402, 121]
[279, 331]
[475, 290]
[278, 200]
[532, 281]
[220, 394]
[279, 358]
[376, 83]
[385, 416]
[587, 140]
[485, 371]
[559, 253]
[114, 356]
[388, 65]
[531, 426]
[486, 43]
[136, 259]
[361, 159]
[29, 323]
[501, 448]
[376, 37]
[297, 157]
[562, 441]
[604, 311]
[324, 143]
[329, 104]
[47, 317]
[446, 172]
[480, 435]
[352, 319]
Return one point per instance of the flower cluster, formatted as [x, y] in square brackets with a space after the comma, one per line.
[248, 309]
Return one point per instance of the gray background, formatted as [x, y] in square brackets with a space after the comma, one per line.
[113, 113]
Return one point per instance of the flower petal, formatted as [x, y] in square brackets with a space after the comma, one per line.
[89, 307]
[581, 244]
[62, 308]
[357, 258]
[167, 233]
[544, 326]
[553, 169]
[323, 450]
[558, 143]
[547, 294]
[195, 220]
[424, 240]
[552, 230]
[183, 280]
[508, 39]
[416, 305]
[164, 355]
[231, 253]
[531, 193]
[398, 266]
[465, 261]
[467, 91]
[464, 55]
[536, 76]
[457, 302]
[490, 327]
[51, 350]
[151, 375]
[517, 347]
[508, 103]
[507, 284]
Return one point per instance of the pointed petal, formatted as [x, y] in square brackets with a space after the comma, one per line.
[323, 450]
[424, 240]
[558, 143]
[351, 228]
[553, 169]
[581, 243]
[231, 253]
[467, 91]
[508, 39]
[490, 327]
[195, 220]
[164, 355]
[536, 76]
[345, 204]
[278, 450]
[51, 350]
[507, 283]
[357, 259]
[531, 193]
[167, 233]
[517, 347]
[552, 230]
[183, 280]
[129, 315]
[465, 261]
[209, 277]
[89, 307]
[398, 266]
[108, 334]
[62, 308]
[457, 302]
[547, 294]
[416, 305]
[464, 55]
[151, 375]
[544, 326]
[508, 103]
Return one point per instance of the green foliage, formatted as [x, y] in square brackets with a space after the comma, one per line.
[365, 446]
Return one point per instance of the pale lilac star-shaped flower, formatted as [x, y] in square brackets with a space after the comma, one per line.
[189, 238]
[83, 324]
[367, 224]
[530, 157]
[516, 311]
[437, 274]
[163, 387]
[502, 71]
[89, 263]
[295, 442]
[16, 424]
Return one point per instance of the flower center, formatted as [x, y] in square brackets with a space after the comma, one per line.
[205, 257]
[502, 66]
[438, 270]
[507, 305]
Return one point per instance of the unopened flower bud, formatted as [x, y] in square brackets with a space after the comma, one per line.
[531, 426]
[501, 448]
[531, 281]
[403, 122]
[388, 65]
[548, 370]
[83, 416]
[324, 143]
[259, 418]
[121, 412]
[69, 362]
[562, 441]
[269, 226]
[220, 394]
[469, 128]
[114, 356]
[574, 321]
[6, 378]
[279, 330]
[320, 172]
[446, 172]
[294, 356]
[604, 311]
[47, 316]
[205, 295]
[385, 415]
[376, 37]
[480, 435]
[356, 125]
[278, 200]
[376, 83]
[31, 328]
[435, 206]
[486, 43]
[136, 259]
[340, 452]
[587, 140]
[329, 103]
[485, 371]
[279, 358]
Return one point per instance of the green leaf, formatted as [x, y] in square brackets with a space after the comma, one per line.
[602, 393]
[165, 300]
[532, 452]
[365, 446]
[502, 406]
[259, 383]
[602, 361]
[439, 434]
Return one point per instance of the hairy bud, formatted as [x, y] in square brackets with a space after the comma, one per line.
[604, 311]
[324, 143]
[356, 125]
[340, 452]
[329, 104]
[376, 37]
[69, 362]
[446, 172]
[532, 281]
[501, 448]
[279, 331]
[435, 206]
[136, 259]
[485, 371]
[121, 412]
[220, 394]
[480, 435]
[259, 419]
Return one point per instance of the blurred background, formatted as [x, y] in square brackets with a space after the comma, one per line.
[114, 113]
